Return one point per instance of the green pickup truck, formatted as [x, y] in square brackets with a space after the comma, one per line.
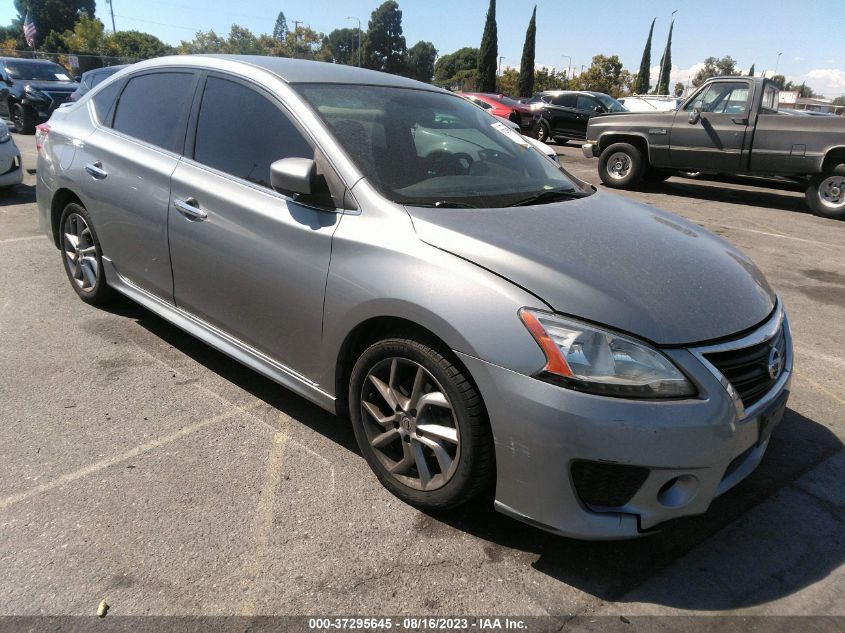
[730, 125]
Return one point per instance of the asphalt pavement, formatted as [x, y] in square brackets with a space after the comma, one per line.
[140, 466]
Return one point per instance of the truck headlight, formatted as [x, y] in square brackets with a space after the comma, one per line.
[590, 359]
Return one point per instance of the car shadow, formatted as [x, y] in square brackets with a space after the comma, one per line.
[19, 194]
[608, 570]
[762, 196]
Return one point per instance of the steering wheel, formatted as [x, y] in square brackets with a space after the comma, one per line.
[444, 163]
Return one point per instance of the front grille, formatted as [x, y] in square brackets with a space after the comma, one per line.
[607, 485]
[747, 369]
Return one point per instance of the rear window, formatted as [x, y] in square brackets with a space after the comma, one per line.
[153, 108]
[104, 101]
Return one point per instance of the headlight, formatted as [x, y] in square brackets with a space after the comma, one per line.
[34, 93]
[587, 358]
[4, 132]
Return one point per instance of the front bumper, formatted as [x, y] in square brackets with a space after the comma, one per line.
[704, 445]
[11, 167]
[590, 150]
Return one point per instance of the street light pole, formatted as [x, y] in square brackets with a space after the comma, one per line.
[568, 69]
[777, 63]
[352, 17]
[111, 9]
[499, 67]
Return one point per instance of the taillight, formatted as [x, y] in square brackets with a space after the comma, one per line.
[41, 132]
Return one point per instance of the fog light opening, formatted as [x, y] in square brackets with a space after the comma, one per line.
[678, 491]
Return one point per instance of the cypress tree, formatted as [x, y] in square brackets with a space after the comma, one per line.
[488, 52]
[526, 66]
[644, 76]
[751, 71]
[666, 65]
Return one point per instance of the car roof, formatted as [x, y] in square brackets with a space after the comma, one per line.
[110, 69]
[24, 59]
[570, 92]
[293, 71]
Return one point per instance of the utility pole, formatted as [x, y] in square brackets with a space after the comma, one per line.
[111, 9]
[352, 17]
[499, 68]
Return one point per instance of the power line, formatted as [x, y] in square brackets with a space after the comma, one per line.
[174, 26]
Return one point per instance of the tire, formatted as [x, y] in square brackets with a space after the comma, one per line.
[655, 176]
[621, 166]
[24, 118]
[543, 132]
[86, 278]
[392, 441]
[826, 195]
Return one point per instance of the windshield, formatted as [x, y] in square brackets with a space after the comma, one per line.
[38, 71]
[428, 148]
[611, 104]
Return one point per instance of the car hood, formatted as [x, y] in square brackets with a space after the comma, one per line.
[52, 86]
[611, 261]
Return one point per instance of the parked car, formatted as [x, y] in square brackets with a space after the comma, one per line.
[507, 108]
[730, 125]
[30, 90]
[545, 149]
[651, 103]
[11, 172]
[92, 78]
[483, 317]
[565, 113]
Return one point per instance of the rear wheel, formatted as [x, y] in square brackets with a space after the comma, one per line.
[82, 256]
[826, 195]
[420, 424]
[24, 119]
[621, 166]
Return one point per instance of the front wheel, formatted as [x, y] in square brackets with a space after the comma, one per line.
[543, 133]
[826, 195]
[24, 119]
[621, 166]
[420, 424]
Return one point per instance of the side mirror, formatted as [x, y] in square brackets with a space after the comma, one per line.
[291, 176]
[695, 115]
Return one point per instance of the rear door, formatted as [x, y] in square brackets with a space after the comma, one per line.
[249, 260]
[715, 141]
[127, 163]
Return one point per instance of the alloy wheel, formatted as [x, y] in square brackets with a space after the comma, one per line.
[80, 251]
[410, 424]
[832, 192]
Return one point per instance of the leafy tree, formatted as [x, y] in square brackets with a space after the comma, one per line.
[679, 89]
[303, 43]
[751, 71]
[280, 30]
[715, 67]
[509, 82]
[447, 67]
[545, 79]
[384, 46]
[241, 41]
[11, 38]
[421, 58]
[342, 46]
[52, 15]
[203, 42]
[136, 45]
[643, 82]
[86, 37]
[839, 101]
[526, 65]
[666, 65]
[488, 52]
[605, 74]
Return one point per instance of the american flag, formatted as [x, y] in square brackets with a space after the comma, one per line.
[29, 30]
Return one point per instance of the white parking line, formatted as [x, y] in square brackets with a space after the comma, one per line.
[781, 235]
[22, 239]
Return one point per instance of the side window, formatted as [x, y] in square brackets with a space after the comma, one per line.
[587, 104]
[723, 97]
[483, 104]
[241, 132]
[770, 99]
[152, 108]
[567, 101]
[104, 102]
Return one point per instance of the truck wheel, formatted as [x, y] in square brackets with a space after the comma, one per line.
[621, 166]
[826, 195]
[24, 119]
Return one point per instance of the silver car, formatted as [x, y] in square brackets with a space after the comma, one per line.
[392, 253]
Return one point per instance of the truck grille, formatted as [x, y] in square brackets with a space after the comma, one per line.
[607, 485]
[747, 369]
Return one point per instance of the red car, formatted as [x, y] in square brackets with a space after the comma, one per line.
[507, 108]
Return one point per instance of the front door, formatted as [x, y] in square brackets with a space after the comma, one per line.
[715, 140]
[562, 113]
[249, 261]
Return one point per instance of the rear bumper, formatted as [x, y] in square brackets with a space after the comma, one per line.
[590, 150]
[690, 450]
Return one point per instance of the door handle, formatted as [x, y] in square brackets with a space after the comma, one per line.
[96, 170]
[190, 208]
[740, 120]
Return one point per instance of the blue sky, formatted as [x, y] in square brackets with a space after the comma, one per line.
[752, 31]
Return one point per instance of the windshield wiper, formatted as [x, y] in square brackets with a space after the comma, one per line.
[549, 196]
[440, 204]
